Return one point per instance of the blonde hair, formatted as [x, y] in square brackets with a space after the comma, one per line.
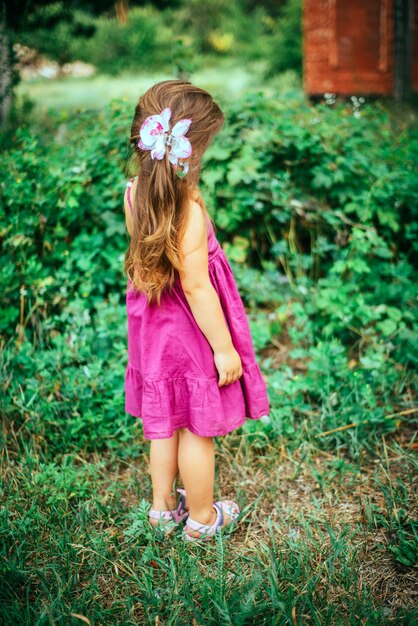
[161, 201]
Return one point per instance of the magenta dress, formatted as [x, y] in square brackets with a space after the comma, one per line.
[171, 380]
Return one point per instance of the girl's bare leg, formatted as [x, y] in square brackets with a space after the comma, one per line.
[164, 469]
[196, 459]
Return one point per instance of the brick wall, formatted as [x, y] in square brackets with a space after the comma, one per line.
[348, 47]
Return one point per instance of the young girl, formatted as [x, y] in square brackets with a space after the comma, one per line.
[192, 374]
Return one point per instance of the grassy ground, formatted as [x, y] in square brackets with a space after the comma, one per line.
[312, 546]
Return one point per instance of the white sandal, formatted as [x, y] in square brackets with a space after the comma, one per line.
[229, 507]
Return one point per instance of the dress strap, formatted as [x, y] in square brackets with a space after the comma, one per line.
[128, 193]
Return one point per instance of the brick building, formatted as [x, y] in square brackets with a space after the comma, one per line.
[366, 47]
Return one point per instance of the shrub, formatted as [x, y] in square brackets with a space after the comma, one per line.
[54, 29]
[285, 51]
[143, 42]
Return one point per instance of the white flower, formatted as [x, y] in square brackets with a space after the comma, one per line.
[155, 134]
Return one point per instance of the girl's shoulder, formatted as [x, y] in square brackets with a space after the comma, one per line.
[196, 195]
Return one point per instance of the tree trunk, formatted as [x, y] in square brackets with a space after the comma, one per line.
[403, 19]
[5, 74]
[121, 10]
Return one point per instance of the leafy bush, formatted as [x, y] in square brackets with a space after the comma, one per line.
[63, 248]
[143, 42]
[148, 39]
[293, 179]
[285, 50]
[210, 23]
[54, 29]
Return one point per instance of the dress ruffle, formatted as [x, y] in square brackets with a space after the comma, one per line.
[198, 404]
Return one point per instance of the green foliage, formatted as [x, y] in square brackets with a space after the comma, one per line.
[184, 58]
[210, 23]
[293, 179]
[63, 242]
[63, 34]
[149, 39]
[145, 42]
[285, 51]
[57, 31]
[395, 517]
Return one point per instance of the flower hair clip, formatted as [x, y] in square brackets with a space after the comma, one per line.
[155, 134]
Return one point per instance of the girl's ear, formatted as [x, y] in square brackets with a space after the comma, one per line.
[196, 194]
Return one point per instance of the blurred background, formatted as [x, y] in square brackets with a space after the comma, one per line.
[83, 54]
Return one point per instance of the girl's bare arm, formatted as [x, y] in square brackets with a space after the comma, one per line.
[203, 298]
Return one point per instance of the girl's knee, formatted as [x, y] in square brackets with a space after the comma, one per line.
[185, 432]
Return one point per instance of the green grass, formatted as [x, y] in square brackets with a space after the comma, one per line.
[227, 80]
[314, 544]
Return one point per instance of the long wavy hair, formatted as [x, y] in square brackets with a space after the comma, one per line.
[161, 201]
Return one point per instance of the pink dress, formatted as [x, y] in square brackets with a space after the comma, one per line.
[171, 380]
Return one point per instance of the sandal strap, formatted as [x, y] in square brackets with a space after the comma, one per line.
[229, 507]
[172, 514]
[160, 514]
[207, 528]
